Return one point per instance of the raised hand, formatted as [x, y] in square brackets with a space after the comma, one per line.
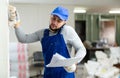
[13, 16]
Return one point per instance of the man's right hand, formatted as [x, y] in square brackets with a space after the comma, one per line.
[13, 17]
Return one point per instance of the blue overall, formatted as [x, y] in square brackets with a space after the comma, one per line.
[51, 45]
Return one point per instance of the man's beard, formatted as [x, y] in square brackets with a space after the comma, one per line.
[55, 30]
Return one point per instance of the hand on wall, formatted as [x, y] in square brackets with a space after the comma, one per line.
[13, 16]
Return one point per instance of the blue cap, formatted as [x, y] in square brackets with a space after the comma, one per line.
[61, 12]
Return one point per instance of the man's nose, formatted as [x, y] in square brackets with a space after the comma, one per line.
[55, 22]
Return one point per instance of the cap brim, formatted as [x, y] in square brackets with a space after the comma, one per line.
[58, 16]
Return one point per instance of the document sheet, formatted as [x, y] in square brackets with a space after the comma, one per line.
[60, 61]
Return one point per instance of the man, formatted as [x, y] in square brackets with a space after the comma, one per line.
[58, 38]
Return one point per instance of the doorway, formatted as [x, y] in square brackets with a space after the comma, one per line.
[80, 28]
[107, 31]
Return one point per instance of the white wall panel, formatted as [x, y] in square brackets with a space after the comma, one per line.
[4, 40]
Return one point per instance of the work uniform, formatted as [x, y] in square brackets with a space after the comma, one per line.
[61, 42]
[51, 45]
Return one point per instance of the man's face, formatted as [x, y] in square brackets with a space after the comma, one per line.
[56, 22]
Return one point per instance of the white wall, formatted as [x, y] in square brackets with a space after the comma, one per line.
[4, 40]
[34, 17]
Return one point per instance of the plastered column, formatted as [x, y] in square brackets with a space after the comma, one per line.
[4, 40]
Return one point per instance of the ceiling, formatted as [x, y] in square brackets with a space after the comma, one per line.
[92, 6]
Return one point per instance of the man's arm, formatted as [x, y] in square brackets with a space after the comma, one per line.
[76, 42]
[14, 20]
[28, 38]
[73, 39]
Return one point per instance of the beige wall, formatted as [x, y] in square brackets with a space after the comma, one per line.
[34, 17]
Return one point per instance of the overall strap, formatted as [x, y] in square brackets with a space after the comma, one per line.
[59, 31]
[46, 32]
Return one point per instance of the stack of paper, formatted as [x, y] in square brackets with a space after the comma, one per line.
[60, 61]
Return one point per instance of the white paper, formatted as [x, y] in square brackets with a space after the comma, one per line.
[60, 61]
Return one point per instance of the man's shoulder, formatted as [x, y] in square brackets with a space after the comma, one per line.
[43, 29]
[67, 27]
